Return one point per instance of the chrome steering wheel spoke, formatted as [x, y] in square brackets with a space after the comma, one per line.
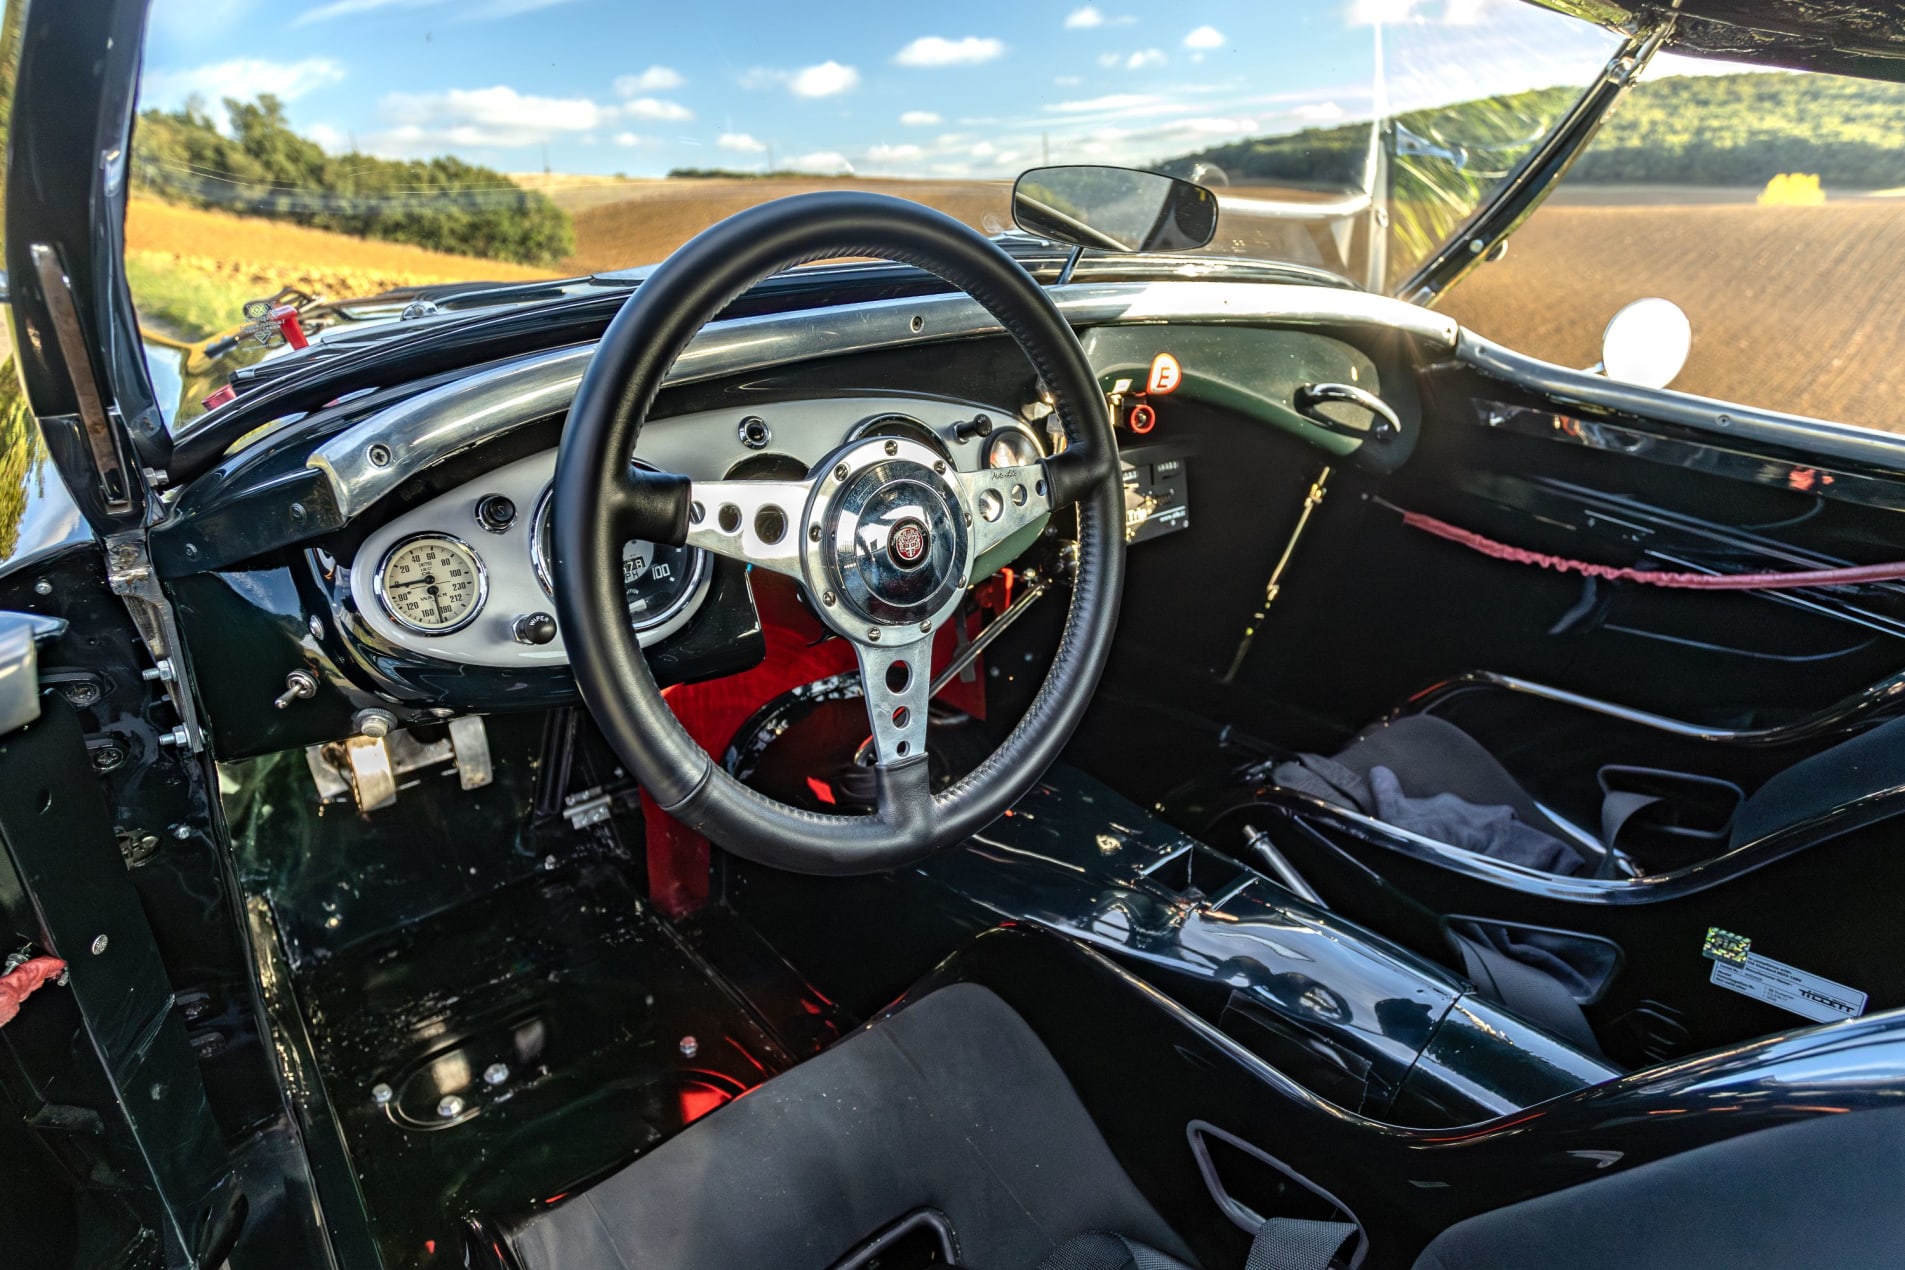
[1004, 500]
[896, 682]
[757, 522]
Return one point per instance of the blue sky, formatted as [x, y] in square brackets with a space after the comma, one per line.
[977, 90]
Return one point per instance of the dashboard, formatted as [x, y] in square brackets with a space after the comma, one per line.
[467, 577]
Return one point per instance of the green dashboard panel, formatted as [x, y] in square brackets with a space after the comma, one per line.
[1256, 373]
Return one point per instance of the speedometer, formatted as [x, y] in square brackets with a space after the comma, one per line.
[657, 580]
[432, 583]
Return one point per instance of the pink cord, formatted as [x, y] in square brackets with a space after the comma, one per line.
[1891, 572]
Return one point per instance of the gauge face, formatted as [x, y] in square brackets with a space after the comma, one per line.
[1011, 448]
[432, 583]
[656, 580]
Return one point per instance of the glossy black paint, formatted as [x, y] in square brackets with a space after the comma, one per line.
[1327, 1003]
[66, 187]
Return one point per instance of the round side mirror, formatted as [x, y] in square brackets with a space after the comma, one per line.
[1646, 343]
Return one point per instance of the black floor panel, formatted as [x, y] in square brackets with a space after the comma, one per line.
[499, 1056]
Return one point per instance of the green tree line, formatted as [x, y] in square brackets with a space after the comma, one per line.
[1708, 130]
[263, 168]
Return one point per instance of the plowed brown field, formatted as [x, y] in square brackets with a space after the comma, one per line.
[1793, 308]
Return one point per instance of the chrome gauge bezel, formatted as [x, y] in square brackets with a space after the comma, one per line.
[431, 632]
[700, 573]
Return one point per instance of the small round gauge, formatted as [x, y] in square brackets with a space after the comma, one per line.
[432, 583]
[1011, 447]
[656, 580]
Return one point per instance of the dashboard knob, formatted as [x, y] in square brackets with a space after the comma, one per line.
[534, 628]
[496, 513]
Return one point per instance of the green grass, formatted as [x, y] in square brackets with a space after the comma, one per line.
[183, 304]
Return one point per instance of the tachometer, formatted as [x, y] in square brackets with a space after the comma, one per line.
[432, 583]
[656, 580]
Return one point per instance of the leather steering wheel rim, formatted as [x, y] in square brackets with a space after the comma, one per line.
[600, 502]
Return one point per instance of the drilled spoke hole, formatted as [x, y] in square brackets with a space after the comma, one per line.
[770, 524]
[729, 518]
[902, 749]
[898, 675]
[1018, 495]
[901, 717]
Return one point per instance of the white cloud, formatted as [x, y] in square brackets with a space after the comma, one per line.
[1109, 60]
[627, 139]
[656, 79]
[506, 9]
[1317, 112]
[329, 139]
[656, 108]
[240, 77]
[1217, 125]
[1441, 12]
[919, 118]
[983, 150]
[893, 154]
[1143, 58]
[828, 79]
[1084, 19]
[933, 50]
[828, 161]
[345, 8]
[740, 143]
[1204, 37]
[1107, 103]
[498, 117]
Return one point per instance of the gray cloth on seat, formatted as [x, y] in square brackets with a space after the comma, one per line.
[1494, 831]
[951, 1104]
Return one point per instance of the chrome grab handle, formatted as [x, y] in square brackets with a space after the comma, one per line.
[1383, 424]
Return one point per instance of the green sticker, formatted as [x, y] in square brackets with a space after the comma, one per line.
[1724, 945]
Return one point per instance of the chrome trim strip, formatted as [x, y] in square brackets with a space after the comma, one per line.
[369, 460]
[1706, 414]
[1845, 715]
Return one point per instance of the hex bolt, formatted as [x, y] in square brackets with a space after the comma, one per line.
[690, 1047]
[374, 723]
[381, 1094]
[451, 1107]
[496, 1073]
[99, 944]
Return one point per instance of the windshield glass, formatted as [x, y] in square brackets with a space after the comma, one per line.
[338, 149]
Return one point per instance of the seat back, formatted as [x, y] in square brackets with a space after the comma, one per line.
[1867, 764]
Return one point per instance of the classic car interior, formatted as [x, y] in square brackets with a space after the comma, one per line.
[1005, 757]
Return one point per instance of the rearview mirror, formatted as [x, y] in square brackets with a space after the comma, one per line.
[1114, 209]
[1646, 343]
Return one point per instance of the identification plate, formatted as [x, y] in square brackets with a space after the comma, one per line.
[1789, 988]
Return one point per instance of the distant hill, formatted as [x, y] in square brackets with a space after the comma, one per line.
[1688, 129]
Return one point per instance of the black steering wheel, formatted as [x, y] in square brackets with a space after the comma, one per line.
[883, 534]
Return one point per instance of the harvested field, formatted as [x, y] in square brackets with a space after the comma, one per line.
[638, 222]
[278, 250]
[1793, 308]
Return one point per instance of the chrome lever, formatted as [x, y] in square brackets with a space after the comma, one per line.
[1384, 425]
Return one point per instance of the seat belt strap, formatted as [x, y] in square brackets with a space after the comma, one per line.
[1616, 810]
[1289, 1243]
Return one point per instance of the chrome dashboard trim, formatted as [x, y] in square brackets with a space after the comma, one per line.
[367, 461]
[1817, 438]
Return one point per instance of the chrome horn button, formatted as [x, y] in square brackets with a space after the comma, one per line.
[893, 547]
